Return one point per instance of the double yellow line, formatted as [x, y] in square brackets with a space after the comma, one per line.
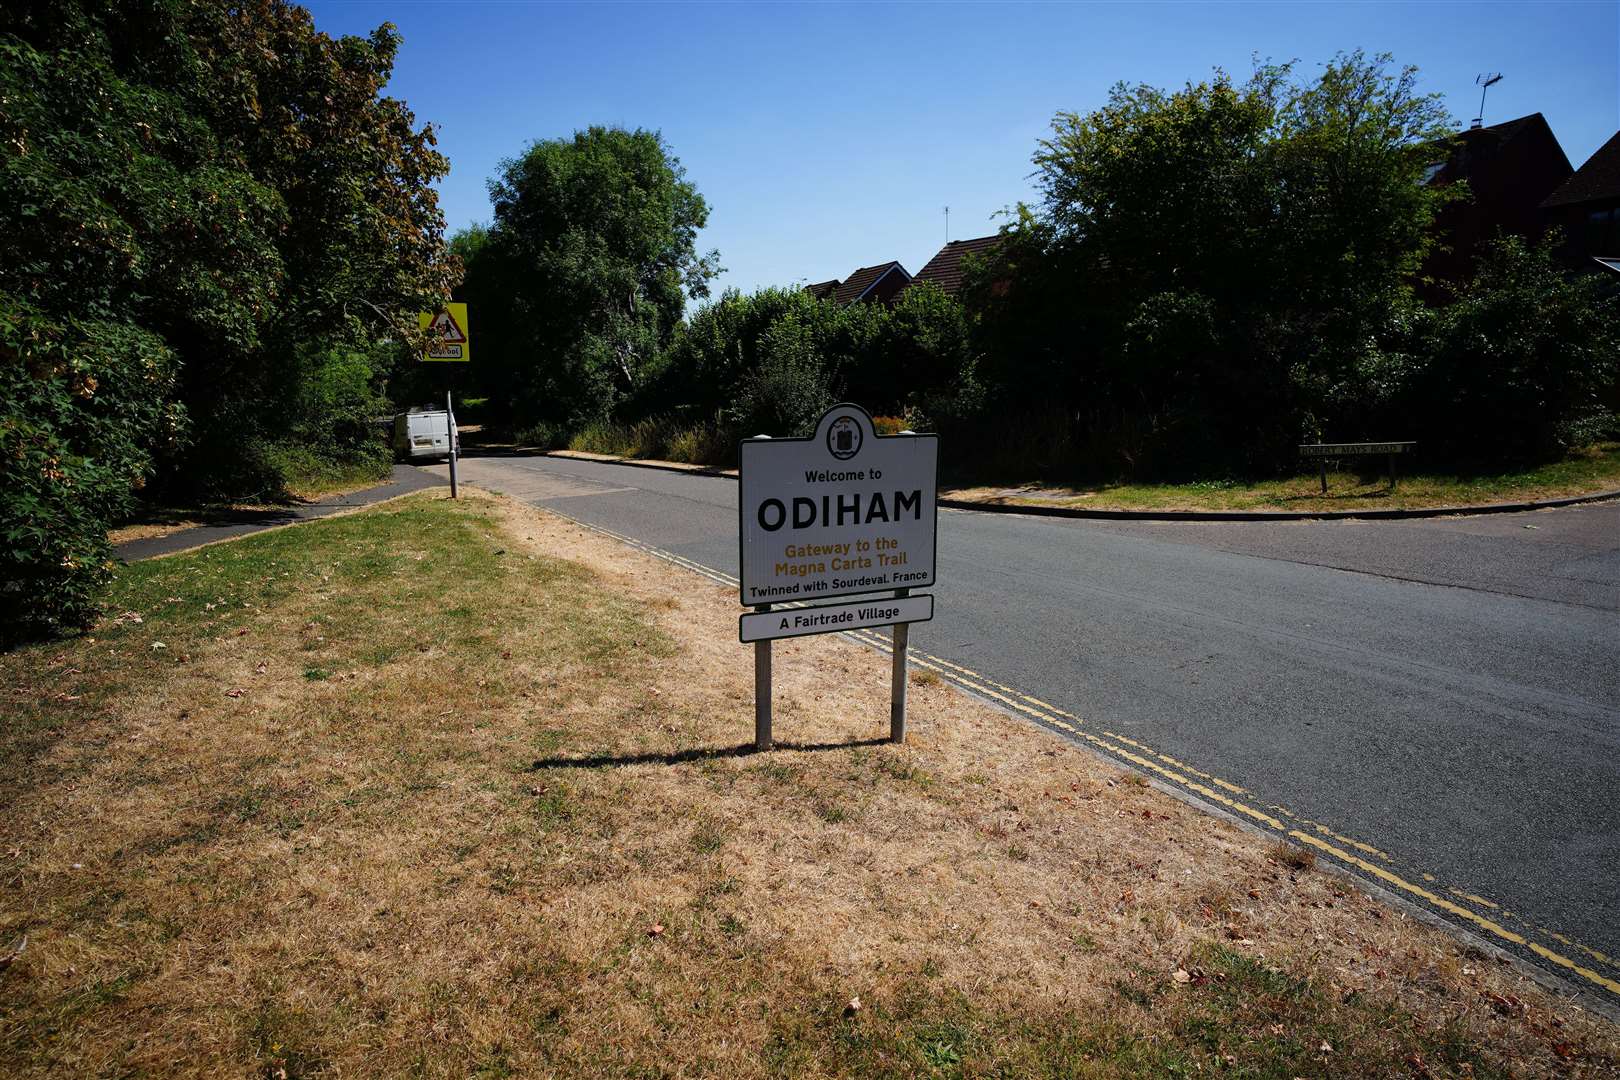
[1206, 786]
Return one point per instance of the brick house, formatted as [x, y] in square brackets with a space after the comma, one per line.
[878, 284]
[1510, 169]
[945, 268]
[1587, 208]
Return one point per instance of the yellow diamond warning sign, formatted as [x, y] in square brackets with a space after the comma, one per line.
[451, 341]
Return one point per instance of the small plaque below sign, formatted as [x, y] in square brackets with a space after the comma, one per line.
[833, 618]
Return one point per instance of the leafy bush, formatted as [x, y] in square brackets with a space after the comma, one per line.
[192, 194]
[1522, 366]
[790, 389]
[1210, 269]
[545, 436]
[84, 407]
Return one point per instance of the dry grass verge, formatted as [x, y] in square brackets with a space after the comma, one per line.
[445, 789]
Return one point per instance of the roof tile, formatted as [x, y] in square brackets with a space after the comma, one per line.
[1598, 179]
[945, 268]
[856, 285]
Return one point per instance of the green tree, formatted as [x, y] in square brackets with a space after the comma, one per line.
[717, 345]
[1524, 365]
[219, 199]
[227, 177]
[1208, 268]
[592, 257]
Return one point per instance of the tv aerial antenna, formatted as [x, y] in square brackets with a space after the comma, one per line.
[1484, 82]
[947, 224]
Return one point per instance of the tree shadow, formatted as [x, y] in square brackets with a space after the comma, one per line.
[682, 757]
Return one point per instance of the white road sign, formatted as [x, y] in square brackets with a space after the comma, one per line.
[833, 618]
[845, 511]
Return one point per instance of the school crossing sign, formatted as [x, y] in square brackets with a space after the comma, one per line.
[844, 512]
[448, 327]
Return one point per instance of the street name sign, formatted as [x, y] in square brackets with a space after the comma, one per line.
[452, 341]
[844, 512]
[833, 618]
[1323, 451]
[1353, 449]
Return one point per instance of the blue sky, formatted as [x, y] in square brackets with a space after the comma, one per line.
[828, 136]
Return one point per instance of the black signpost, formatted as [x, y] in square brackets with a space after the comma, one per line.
[1323, 451]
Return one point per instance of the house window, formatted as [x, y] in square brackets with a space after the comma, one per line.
[1603, 232]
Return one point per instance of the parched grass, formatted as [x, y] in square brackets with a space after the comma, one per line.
[1587, 471]
[660, 439]
[458, 789]
[310, 475]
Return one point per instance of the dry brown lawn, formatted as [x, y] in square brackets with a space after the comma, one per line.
[462, 790]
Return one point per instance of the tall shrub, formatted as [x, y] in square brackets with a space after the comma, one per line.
[1522, 366]
[1209, 268]
[84, 406]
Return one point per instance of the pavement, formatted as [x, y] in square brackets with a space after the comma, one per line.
[1433, 705]
[229, 524]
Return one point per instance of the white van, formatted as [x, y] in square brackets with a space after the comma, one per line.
[424, 433]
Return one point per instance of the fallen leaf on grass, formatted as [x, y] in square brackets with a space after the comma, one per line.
[655, 930]
[1181, 976]
[1506, 1004]
[853, 1007]
[235, 691]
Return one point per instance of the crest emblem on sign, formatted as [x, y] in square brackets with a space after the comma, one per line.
[844, 438]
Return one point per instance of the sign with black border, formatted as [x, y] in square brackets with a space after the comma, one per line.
[800, 621]
[844, 512]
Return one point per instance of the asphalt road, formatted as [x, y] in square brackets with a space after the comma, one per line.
[1445, 693]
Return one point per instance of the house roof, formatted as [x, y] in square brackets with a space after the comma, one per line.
[1475, 146]
[823, 290]
[1598, 179]
[861, 281]
[945, 268]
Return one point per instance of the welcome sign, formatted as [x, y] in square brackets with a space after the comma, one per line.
[844, 512]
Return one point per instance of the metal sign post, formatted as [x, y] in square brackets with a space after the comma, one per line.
[845, 512]
[897, 687]
[762, 689]
[449, 340]
[450, 434]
